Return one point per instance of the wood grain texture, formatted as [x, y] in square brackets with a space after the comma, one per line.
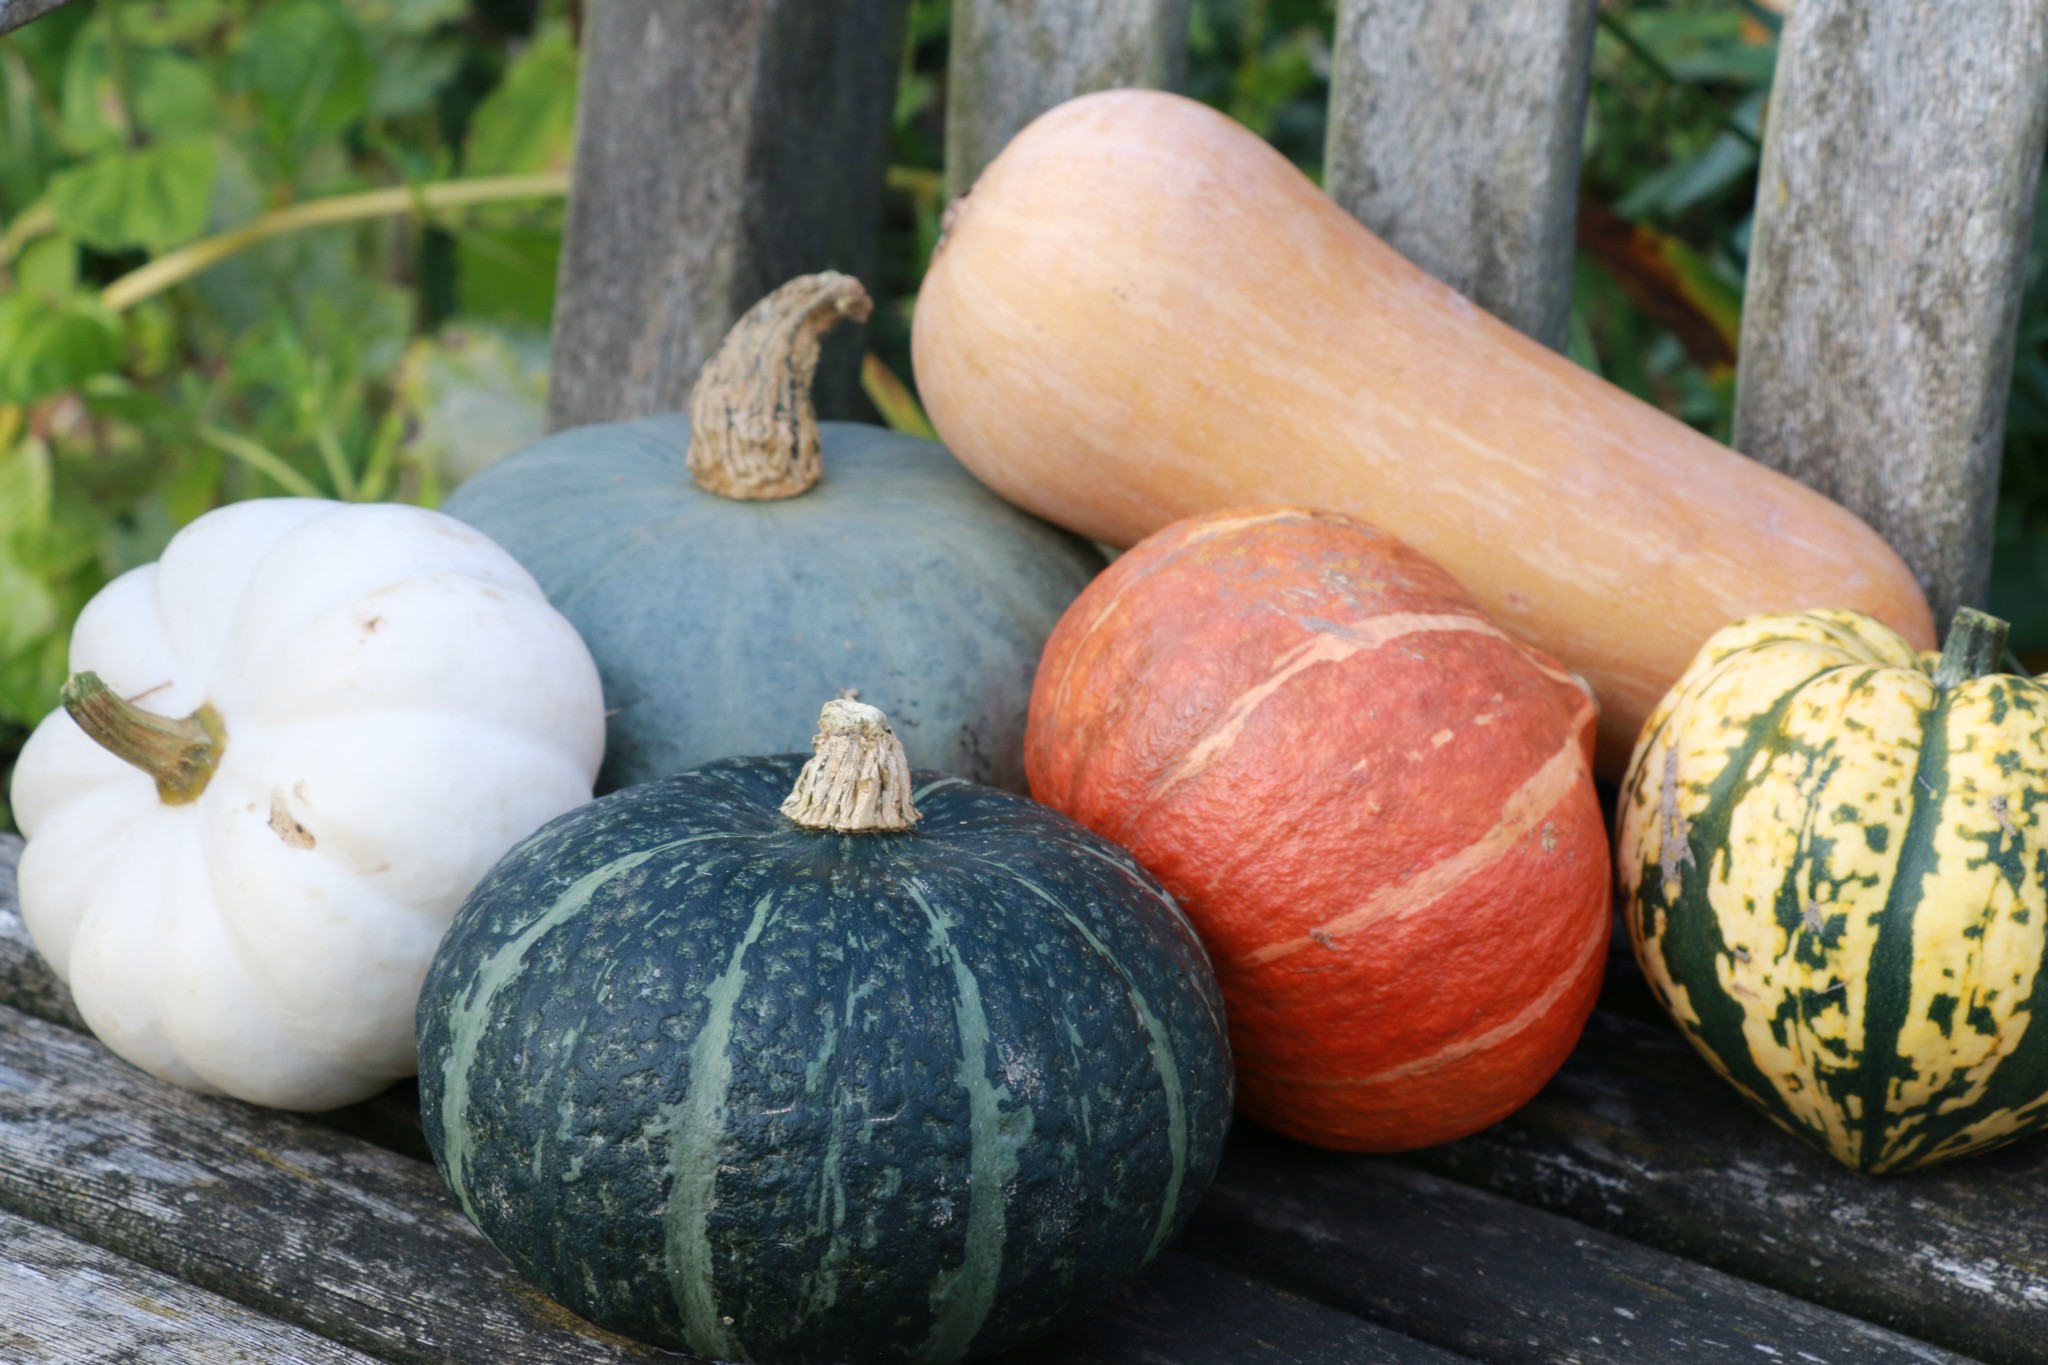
[63, 1301]
[722, 148]
[1496, 1280]
[1894, 209]
[304, 1224]
[1011, 60]
[1636, 1136]
[15, 13]
[1185, 1311]
[1455, 131]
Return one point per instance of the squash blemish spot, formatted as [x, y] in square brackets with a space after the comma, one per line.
[287, 828]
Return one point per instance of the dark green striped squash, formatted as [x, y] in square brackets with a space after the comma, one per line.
[729, 567]
[721, 1080]
[1836, 879]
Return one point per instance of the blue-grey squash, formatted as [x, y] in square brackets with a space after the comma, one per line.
[723, 585]
[814, 1079]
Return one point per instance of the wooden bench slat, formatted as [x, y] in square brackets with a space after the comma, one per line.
[1496, 1279]
[63, 1301]
[1186, 1311]
[1637, 1136]
[1455, 133]
[306, 1225]
[1011, 60]
[721, 149]
[1893, 215]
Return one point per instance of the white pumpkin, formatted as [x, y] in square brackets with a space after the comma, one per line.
[393, 704]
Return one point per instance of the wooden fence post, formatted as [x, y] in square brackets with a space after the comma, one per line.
[722, 147]
[1455, 130]
[1012, 60]
[1894, 208]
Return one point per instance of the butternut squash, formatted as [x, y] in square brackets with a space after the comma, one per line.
[1142, 312]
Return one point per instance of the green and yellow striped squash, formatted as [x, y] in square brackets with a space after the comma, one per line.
[1834, 871]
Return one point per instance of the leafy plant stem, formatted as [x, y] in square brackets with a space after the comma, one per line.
[1612, 23]
[261, 459]
[176, 267]
[37, 220]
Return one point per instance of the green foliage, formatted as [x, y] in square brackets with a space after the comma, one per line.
[130, 131]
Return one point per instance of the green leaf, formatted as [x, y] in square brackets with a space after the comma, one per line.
[305, 65]
[47, 347]
[173, 94]
[157, 23]
[48, 266]
[529, 122]
[507, 275]
[407, 16]
[410, 75]
[154, 197]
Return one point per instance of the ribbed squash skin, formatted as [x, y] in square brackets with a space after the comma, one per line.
[1143, 312]
[727, 1085]
[1377, 808]
[1834, 879]
[718, 624]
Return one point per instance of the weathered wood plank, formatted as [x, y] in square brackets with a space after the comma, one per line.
[1894, 209]
[391, 1119]
[1185, 1311]
[1637, 1136]
[306, 1225]
[15, 13]
[1496, 1280]
[1011, 60]
[63, 1301]
[722, 148]
[1455, 131]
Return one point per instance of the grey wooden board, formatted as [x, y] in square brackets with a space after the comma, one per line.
[304, 1224]
[1893, 216]
[63, 1302]
[1011, 60]
[1497, 1280]
[1455, 131]
[1183, 1311]
[723, 147]
[1636, 1135]
[15, 13]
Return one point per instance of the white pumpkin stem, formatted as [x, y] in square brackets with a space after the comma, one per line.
[753, 428]
[858, 782]
[1975, 647]
[180, 754]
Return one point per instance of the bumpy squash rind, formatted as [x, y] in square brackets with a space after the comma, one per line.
[1835, 879]
[724, 1084]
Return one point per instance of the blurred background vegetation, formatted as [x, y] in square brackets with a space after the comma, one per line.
[309, 246]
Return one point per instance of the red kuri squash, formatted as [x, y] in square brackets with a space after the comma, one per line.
[1376, 806]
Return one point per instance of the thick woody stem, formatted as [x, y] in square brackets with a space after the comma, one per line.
[1975, 647]
[858, 782]
[753, 430]
[180, 754]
